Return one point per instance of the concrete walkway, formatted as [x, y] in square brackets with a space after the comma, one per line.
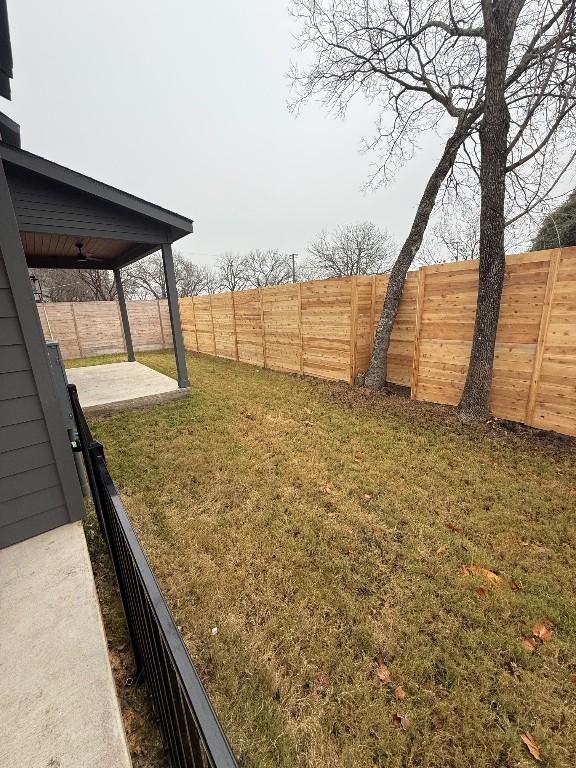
[58, 705]
[121, 386]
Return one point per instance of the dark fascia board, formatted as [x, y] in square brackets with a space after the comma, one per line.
[180, 225]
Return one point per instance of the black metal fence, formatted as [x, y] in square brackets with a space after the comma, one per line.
[190, 729]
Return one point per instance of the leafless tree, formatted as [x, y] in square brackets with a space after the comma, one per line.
[426, 66]
[262, 268]
[76, 284]
[145, 279]
[230, 272]
[355, 249]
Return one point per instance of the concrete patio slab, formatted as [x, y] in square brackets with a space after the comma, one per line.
[121, 386]
[59, 705]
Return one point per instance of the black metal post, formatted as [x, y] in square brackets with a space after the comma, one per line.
[124, 315]
[172, 294]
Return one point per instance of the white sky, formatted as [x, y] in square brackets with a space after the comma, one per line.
[184, 104]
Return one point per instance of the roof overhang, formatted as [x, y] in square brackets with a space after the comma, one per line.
[57, 208]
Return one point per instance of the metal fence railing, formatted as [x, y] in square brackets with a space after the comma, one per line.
[191, 732]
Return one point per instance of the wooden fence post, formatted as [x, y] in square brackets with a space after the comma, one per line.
[195, 327]
[372, 331]
[161, 324]
[542, 333]
[76, 330]
[234, 322]
[353, 325]
[263, 327]
[300, 328]
[47, 322]
[419, 308]
[212, 322]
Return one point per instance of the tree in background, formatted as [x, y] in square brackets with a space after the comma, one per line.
[558, 230]
[262, 268]
[354, 249]
[76, 284]
[145, 279]
[230, 274]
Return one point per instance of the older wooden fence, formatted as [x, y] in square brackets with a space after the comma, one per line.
[325, 328]
[86, 328]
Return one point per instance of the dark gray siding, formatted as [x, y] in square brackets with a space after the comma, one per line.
[42, 205]
[31, 496]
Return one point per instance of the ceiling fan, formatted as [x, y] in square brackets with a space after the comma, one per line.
[83, 257]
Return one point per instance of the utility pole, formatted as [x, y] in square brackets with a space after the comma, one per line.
[293, 257]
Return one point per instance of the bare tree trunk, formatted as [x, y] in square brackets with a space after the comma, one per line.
[475, 401]
[375, 377]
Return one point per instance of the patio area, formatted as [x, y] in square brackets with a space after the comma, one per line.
[117, 387]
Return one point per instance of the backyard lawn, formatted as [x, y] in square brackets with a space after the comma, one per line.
[360, 579]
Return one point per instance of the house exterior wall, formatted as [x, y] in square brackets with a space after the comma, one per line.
[39, 488]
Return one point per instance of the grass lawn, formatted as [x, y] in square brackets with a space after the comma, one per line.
[371, 565]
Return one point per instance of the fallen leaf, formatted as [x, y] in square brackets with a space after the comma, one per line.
[542, 632]
[529, 644]
[441, 551]
[453, 528]
[401, 721]
[533, 748]
[481, 592]
[383, 673]
[516, 586]
[400, 693]
[484, 573]
[357, 460]
[367, 496]
[328, 489]
[323, 680]
[308, 411]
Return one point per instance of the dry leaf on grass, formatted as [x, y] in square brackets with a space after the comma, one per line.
[529, 644]
[400, 693]
[323, 680]
[481, 592]
[453, 528]
[533, 748]
[516, 586]
[367, 496]
[441, 551]
[383, 673]
[542, 632]
[484, 573]
[401, 721]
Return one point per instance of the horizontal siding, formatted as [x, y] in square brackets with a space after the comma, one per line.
[14, 358]
[10, 332]
[19, 411]
[21, 435]
[30, 481]
[31, 504]
[11, 533]
[40, 204]
[16, 385]
[31, 495]
[26, 458]
[7, 308]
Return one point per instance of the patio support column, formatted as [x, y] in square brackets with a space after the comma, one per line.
[172, 294]
[124, 315]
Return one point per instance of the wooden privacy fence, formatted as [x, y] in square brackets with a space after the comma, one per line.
[326, 329]
[86, 328]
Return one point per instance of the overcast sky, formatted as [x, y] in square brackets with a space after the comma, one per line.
[184, 104]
